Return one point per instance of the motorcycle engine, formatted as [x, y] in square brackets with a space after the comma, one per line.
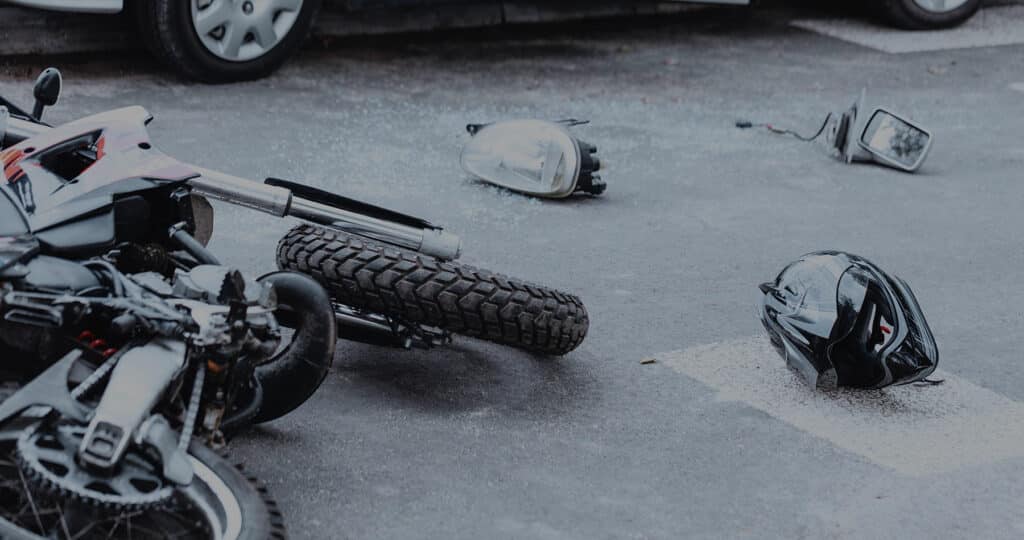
[233, 314]
[225, 304]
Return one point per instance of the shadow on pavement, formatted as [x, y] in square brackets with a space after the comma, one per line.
[467, 376]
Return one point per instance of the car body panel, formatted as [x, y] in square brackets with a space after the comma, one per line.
[77, 6]
[115, 6]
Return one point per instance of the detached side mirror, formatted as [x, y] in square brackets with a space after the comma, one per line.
[882, 137]
[534, 157]
[46, 91]
[895, 141]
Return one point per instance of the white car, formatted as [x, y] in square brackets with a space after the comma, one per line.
[232, 40]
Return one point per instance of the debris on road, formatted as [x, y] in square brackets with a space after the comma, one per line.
[841, 321]
[535, 157]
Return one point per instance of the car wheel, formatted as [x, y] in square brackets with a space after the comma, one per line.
[219, 41]
[928, 14]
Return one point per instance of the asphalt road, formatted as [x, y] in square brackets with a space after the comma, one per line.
[477, 441]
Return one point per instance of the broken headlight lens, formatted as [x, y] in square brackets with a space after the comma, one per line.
[531, 156]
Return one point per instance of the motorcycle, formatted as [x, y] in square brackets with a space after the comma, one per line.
[98, 183]
[130, 350]
[118, 385]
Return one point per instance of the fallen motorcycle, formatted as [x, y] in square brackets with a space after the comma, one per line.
[130, 346]
[98, 183]
[117, 386]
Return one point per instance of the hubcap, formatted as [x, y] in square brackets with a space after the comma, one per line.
[243, 30]
[939, 6]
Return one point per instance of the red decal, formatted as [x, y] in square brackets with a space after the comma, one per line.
[11, 159]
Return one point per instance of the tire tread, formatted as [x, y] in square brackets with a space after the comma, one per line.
[456, 297]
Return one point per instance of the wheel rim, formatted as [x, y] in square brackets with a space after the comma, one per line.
[939, 6]
[206, 509]
[243, 30]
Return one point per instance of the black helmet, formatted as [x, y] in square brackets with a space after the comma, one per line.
[839, 320]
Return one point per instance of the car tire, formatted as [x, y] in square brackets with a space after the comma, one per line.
[915, 15]
[168, 28]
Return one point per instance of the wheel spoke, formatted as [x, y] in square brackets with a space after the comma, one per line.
[216, 14]
[264, 32]
[86, 530]
[232, 42]
[63, 523]
[31, 502]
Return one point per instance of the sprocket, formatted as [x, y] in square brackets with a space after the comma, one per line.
[47, 456]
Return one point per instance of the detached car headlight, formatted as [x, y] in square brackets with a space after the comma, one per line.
[535, 157]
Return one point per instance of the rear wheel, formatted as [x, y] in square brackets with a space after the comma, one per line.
[219, 503]
[220, 41]
[928, 14]
[417, 289]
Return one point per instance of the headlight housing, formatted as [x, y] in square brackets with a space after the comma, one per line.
[535, 157]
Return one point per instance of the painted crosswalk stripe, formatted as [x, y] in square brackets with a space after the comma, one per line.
[1002, 25]
[912, 430]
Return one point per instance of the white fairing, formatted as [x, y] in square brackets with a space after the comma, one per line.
[77, 6]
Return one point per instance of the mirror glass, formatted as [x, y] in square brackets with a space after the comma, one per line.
[892, 137]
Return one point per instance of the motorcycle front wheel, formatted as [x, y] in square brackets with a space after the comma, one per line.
[418, 289]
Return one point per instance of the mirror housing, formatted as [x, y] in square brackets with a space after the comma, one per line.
[535, 157]
[46, 90]
[895, 141]
[849, 137]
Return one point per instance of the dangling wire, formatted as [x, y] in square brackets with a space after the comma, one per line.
[746, 124]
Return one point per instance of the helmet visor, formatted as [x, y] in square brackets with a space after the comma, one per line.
[917, 355]
[881, 337]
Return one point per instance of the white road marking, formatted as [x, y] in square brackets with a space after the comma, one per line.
[1003, 25]
[912, 430]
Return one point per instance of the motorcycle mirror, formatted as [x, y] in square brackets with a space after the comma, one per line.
[535, 157]
[46, 91]
[895, 141]
[882, 137]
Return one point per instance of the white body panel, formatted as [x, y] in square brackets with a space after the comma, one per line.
[115, 6]
[77, 6]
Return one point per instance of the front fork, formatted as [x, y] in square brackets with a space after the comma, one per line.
[281, 198]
